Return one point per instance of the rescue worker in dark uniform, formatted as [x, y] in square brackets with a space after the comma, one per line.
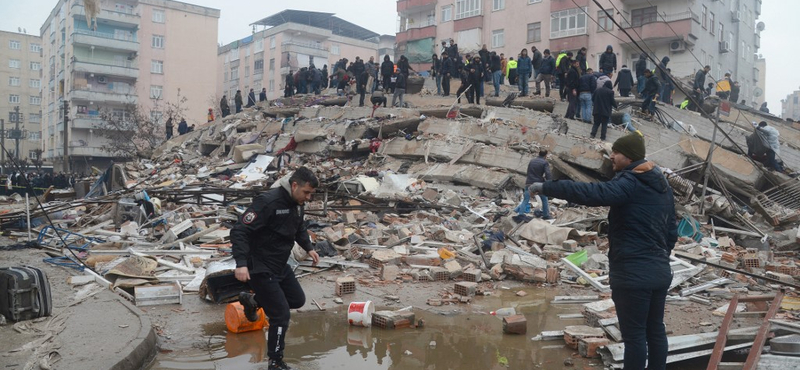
[262, 242]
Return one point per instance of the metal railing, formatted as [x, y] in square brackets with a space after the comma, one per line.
[660, 18]
[123, 90]
[109, 62]
[311, 45]
[105, 35]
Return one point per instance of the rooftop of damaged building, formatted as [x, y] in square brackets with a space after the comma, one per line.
[409, 195]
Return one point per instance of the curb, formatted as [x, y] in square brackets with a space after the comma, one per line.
[143, 347]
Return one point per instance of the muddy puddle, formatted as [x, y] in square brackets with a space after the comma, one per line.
[450, 339]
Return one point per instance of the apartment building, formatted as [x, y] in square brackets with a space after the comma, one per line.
[290, 40]
[20, 87]
[790, 107]
[142, 52]
[724, 34]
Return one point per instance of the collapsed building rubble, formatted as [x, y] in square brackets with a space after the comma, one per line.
[408, 195]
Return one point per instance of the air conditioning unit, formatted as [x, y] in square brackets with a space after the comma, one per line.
[677, 45]
[724, 47]
[736, 15]
[102, 80]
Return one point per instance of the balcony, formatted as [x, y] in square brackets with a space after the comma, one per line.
[86, 121]
[305, 47]
[416, 34]
[61, 50]
[104, 40]
[413, 6]
[119, 95]
[121, 68]
[662, 29]
[106, 16]
[87, 151]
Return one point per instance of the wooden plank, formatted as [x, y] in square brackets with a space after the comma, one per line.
[722, 336]
[758, 343]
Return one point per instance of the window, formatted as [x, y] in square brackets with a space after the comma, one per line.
[335, 49]
[34, 48]
[271, 85]
[447, 13]
[34, 100]
[605, 23]
[643, 16]
[534, 1]
[157, 66]
[498, 38]
[467, 8]
[259, 45]
[35, 118]
[730, 41]
[247, 71]
[13, 63]
[272, 64]
[246, 52]
[158, 16]
[272, 42]
[12, 117]
[34, 136]
[711, 22]
[14, 45]
[158, 42]
[235, 73]
[35, 66]
[568, 22]
[534, 32]
[498, 5]
[155, 116]
[704, 16]
[156, 91]
[35, 83]
[721, 32]
[258, 67]
[225, 79]
[13, 81]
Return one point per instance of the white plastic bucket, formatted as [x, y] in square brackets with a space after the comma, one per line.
[360, 313]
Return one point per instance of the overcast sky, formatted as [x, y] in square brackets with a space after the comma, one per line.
[380, 16]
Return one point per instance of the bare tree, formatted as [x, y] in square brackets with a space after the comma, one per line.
[136, 131]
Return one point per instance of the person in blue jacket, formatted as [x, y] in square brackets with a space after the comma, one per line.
[641, 232]
[523, 71]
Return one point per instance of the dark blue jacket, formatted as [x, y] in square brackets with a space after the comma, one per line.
[538, 171]
[524, 65]
[548, 66]
[641, 222]
[603, 100]
[446, 66]
[587, 83]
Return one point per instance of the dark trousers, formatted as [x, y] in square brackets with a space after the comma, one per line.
[387, 79]
[648, 104]
[446, 84]
[600, 121]
[562, 85]
[361, 93]
[277, 294]
[624, 93]
[474, 95]
[573, 105]
[377, 101]
[772, 161]
[641, 321]
[461, 90]
[238, 107]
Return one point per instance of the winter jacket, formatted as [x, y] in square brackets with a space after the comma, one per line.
[651, 86]
[536, 60]
[564, 65]
[358, 67]
[238, 99]
[495, 64]
[602, 78]
[183, 127]
[603, 100]
[512, 64]
[387, 68]
[699, 80]
[436, 67]
[538, 171]
[587, 83]
[223, 104]
[400, 83]
[266, 232]
[446, 66]
[641, 222]
[523, 65]
[548, 66]
[608, 61]
[573, 78]
[624, 79]
[403, 66]
[641, 66]
[562, 56]
[581, 58]
[771, 135]
[476, 73]
[661, 71]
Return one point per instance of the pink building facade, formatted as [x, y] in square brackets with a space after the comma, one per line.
[723, 34]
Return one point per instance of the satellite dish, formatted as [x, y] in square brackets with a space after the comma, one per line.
[758, 92]
[760, 26]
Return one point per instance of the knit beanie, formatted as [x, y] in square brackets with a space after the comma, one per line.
[631, 146]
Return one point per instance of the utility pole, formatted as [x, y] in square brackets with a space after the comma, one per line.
[66, 137]
[17, 133]
[3, 146]
[708, 160]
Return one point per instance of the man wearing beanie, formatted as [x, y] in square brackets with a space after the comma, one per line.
[641, 235]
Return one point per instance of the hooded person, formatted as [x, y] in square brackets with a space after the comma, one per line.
[663, 76]
[642, 232]
[602, 102]
[608, 61]
[624, 81]
[641, 66]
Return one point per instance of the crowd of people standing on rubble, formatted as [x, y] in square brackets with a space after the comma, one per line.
[17, 182]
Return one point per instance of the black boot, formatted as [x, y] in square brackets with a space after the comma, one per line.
[248, 301]
[278, 365]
